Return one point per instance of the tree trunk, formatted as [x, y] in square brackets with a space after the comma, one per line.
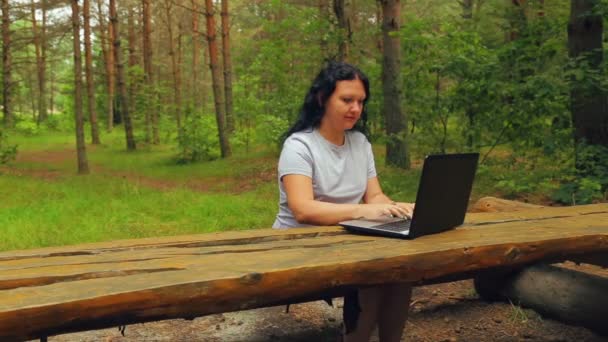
[35, 94]
[397, 153]
[7, 84]
[230, 120]
[120, 73]
[588, 102]
[107, 48]
[196, 48]
[324, 17]
[150, 110]
[88, 57]
[344, 28]
[81, 152]
[467, 9]
[174, 67]
[215, 79]
[38, 40]
[517, 19]
[133, 60]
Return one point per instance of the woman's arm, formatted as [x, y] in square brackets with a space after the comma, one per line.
[307, 210]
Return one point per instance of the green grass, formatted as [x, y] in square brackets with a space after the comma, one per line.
[106, 205]
[113, 203]
[91, 208]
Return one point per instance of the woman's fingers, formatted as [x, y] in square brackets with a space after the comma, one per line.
[406, 208]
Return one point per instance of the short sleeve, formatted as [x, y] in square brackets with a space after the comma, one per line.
[296, 158]
[371, 164]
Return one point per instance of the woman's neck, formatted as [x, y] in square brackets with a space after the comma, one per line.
[335, 137]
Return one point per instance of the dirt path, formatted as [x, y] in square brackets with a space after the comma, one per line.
[445, 312]
[53, 159]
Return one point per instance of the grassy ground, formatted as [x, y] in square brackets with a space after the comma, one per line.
[146, 193]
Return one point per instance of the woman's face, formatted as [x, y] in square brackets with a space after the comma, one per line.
[345, 105]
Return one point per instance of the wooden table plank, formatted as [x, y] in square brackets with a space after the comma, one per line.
[51, 290]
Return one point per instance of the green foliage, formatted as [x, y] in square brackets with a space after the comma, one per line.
[198, 139]
[27, 127]
[589, 181]
[7, 151]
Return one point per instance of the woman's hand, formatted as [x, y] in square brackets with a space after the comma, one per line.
[408, 207]
[378, 211]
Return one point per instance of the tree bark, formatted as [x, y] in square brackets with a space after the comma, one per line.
[345, 30]
[588, 102]
[81, 152]
[230, 120]
[7, 84]
[196, 48]
[88, 57]
[150, 110]
[120, 73]
[397, 153]
[564, 294]
[174, 67]
[517, 19]
[132, 60]
[107, 48]
[215, 79]
[467, 9]
[39, 41]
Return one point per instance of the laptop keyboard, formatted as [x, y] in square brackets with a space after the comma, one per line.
[397, 226]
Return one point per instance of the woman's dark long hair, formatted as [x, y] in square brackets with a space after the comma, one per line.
[321, 89]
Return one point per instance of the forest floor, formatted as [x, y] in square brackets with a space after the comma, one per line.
[444, 312]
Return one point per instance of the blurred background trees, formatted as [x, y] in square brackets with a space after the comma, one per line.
[519, 79]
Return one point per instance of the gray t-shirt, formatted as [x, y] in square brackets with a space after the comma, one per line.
[339, 173]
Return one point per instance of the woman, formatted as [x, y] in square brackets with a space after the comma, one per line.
[327, 175]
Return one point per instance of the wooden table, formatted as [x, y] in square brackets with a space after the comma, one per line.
[61, 289]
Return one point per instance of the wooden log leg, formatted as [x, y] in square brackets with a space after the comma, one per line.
[566, 295]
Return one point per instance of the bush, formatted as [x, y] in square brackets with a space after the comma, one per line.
[589, 182]
[27, 127]
[198, 139]
[7, 152]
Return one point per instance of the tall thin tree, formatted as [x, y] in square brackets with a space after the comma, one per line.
[230, 120]
[133, 60]
[196, 48]
[397, 153]
[175, 68]
[120, 78]
[106, 37]
[215, 79]
[88, 60]
[39, 41]
[151, 115]
[81, 152]
[7, 84]
[342, 14]
[588, 100]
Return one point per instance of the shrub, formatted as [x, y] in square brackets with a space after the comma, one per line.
[7, 152]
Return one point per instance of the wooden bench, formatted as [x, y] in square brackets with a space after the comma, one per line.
[55, 290]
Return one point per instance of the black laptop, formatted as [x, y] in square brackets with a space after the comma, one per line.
[441, 202]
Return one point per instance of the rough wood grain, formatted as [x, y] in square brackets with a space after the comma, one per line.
[493, 204]
[59, 289]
